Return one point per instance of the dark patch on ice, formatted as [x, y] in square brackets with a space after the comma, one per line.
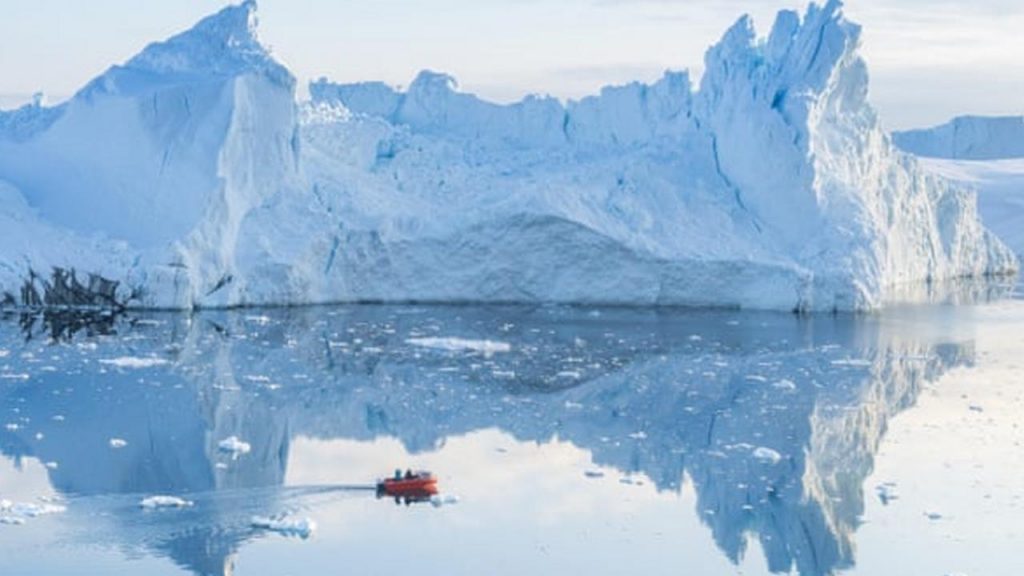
[63, 290]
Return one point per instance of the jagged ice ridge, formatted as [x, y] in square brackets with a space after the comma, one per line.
[190, 176]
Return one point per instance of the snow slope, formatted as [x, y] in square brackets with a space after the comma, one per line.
[190, 176]
[967, 138]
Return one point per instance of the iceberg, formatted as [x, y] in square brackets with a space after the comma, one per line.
[967, 138]
[190, 177]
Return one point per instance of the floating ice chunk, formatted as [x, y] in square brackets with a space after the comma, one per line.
[154, 502]
[766, 455]
[11, 520]
[32, 510]
[851, 362]
[15, 376]
[134, 362]
[461, 344]
[51, 465]
[118, 443]
[301, 527]
[12, 427]
[573, 374]
[234, 446]
[438, 500]
[784, 384]
[4, 353]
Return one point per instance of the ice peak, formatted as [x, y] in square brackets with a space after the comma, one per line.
[430, 82]
[223, 43]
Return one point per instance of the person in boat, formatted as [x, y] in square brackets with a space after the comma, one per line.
[408, 474]
[398, 474]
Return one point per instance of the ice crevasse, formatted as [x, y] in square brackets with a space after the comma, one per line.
[192, 177]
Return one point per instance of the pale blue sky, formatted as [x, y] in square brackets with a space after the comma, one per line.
[929, 59]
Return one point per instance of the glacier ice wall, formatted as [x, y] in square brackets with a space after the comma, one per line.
[190, 175]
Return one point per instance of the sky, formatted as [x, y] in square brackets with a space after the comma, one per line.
[929, 59]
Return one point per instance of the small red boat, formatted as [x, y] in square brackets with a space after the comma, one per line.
[411, 486]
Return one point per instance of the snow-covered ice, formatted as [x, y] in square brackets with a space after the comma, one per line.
[155, 502]
[118, 443]
[769, 185]
[1000, 187]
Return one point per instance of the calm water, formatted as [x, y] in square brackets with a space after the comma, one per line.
[566, 440]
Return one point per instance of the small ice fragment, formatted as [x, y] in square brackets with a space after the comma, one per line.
[785, 384]
[234, 446]
[487, 347]
[12, 427]
[133, 362]
[766, 455]
[641, 435]
[851, 362]
[154, 502]
[118, 443]
[438, 500]
[51, 465]
[29, 510]
[12, 520]
[303, 528]
[695, 338]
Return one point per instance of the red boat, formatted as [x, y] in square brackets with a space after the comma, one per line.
[412, 487]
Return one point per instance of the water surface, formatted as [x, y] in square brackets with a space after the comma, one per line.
[575, 440]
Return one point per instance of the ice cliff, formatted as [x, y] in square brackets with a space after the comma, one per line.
[191, 177]
[967, 138]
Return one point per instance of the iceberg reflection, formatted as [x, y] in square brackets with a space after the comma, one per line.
[775, 419]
